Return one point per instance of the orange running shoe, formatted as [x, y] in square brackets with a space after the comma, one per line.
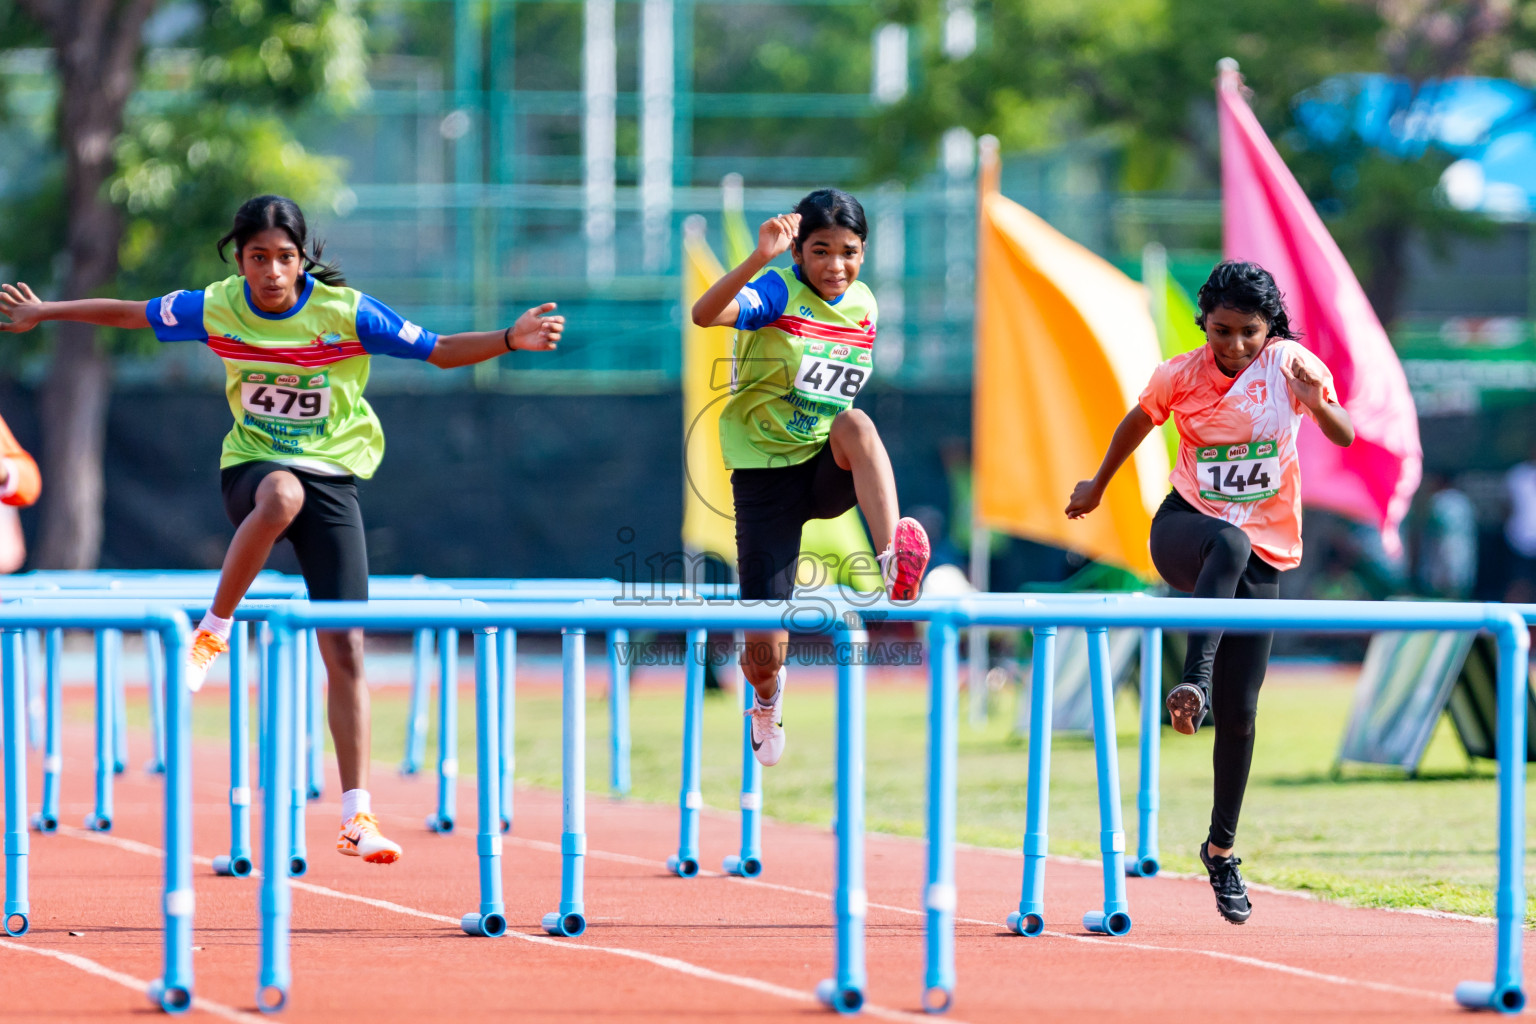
[360, 838]
[902, 563]
[206, 648]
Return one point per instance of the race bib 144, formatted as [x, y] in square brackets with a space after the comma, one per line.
[1239, 472]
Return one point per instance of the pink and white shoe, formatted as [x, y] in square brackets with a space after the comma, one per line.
[902, 563]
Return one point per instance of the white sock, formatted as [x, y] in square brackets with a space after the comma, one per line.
[355, 801]
[769, 702]
[220, 628]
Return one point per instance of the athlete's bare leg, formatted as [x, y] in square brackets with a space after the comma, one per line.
[279, 498]
[347, 704]
[761, 657]
[856, 446]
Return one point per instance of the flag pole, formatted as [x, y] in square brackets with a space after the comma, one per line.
[988, 172]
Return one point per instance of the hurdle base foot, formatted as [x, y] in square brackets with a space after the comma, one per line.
[439, 824]
[298, 866]
[1137, 866]
[683, 867]
[1028, 924]
[46, 824]
[314, 792]
[174, 999]
[98, 823]
[937, 999]
[568, 925]
[843, 999]
[408, 769]
[17, 924]
[1484, 995]
[156, 767]
[232, 865]
[490, 926]
[743, 867]
[1114, 922]
[272, 998]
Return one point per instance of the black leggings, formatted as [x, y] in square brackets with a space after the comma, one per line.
[1208, 557]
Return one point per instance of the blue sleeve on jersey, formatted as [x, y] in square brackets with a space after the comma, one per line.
[384, 332]
[761, 302]
[177, 316]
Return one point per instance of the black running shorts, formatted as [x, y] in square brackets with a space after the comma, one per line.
[771, 507]
[327, 534]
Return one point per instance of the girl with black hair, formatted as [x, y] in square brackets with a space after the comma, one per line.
[1232, 522]
[296, 344]
[796, 447]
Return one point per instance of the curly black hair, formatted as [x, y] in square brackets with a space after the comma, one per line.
[1247, 288]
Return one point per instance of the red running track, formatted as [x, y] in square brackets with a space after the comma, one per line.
[380, 944]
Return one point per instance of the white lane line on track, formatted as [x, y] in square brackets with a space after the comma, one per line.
[138, 985]
[656, 960]
[1102, 942]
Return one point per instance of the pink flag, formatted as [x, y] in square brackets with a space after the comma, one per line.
[1267, 219]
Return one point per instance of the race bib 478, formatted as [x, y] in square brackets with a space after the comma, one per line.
[1238, 472]
[833, 373]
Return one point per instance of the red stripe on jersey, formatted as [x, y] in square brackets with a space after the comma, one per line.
[802, 327]
[303, 355]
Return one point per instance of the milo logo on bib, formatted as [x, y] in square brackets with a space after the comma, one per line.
[1239, 472]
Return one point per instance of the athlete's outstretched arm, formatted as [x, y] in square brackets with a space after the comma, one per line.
[534, 331]
[26, 310]
[1128, 437]
[718, 307]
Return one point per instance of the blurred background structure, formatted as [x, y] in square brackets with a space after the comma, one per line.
[465, 159]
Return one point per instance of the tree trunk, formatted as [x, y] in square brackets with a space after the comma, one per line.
[97, 44]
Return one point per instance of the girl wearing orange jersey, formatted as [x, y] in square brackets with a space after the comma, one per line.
[1232, 522]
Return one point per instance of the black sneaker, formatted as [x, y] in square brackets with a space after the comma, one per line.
[1231, 893]
[1186, 708]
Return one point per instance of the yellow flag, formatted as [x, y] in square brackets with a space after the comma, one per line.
[708, 511]
[1064, 345]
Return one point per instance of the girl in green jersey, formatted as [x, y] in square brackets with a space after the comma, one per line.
[296, 344]
[796, 447]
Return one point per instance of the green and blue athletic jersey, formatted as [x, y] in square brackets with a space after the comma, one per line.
[798, 361]
[295, 379]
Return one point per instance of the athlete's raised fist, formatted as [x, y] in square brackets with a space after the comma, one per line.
[1085, 498]
[24, 308]
[777, 234]
[536, 330]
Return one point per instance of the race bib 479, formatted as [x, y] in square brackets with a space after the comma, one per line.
[1238, 472]
[285, 396]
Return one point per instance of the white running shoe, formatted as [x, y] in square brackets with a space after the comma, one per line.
[768, 726]
[206, 648]
[360, 837]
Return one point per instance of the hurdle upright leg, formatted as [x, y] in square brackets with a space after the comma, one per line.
[844, 992]
[1029, 919]
[447, 732]
[618, 712]
[491, 920]
[100, 819]
[506, 642]
[298, 662]
[685, 863]
[1506, 993]
[749, 862]
[119, 701]
[1114, 919]
[276, 972]
[571, 918]
[416, 723]
[172, 991]
[18, 907]
[1145, 863]
[315, 775]
[943, 742]
[36, 698]
[154, 669]
[238, 861]
[47, 817]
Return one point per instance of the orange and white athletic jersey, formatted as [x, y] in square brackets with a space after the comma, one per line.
[1237, 441]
